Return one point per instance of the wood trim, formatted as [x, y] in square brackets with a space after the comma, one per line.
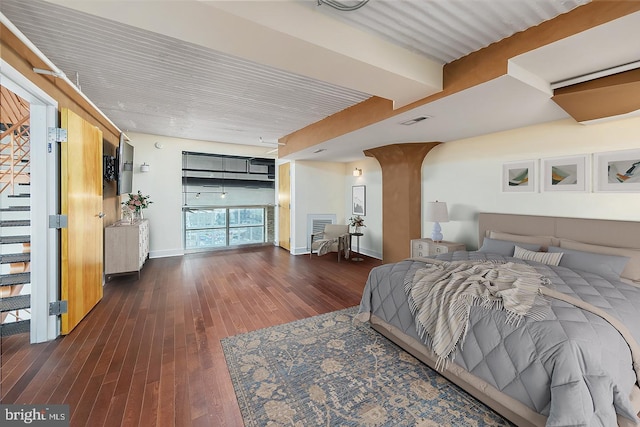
[19, 56]
[353, 118]
[476, 68]
[401, 196]
[604, 97]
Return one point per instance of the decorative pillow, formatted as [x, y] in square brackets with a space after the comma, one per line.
[503, 247]
[609, 266]
[543, 257]
[631, 271]
[542, 241]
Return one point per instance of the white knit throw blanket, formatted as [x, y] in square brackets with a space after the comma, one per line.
[442, 293]
[324, 246]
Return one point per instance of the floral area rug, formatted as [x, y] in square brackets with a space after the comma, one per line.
[329, 371]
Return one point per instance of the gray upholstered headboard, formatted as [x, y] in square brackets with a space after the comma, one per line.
[568, 231]
[619, 234]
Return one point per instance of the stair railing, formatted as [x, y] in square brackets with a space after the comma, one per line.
[19, 148]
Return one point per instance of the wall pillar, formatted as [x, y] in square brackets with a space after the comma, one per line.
[401, 196]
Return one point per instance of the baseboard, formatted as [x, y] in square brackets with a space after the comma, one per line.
[295, 251]
[166, 253]
[372, 254]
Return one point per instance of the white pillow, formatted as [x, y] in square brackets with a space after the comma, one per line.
[543, 257]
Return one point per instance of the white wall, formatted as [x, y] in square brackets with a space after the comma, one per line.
[164, 183]
[467, 175]
[316, 188]
[371, 242]
[325, 188]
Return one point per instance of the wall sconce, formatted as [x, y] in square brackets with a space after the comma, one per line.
[357, 172]
[436, 212]
[144, 167]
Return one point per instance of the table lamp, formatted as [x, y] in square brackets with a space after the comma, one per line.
[436, 212]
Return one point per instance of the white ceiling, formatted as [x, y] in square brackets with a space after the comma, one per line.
[238, 71]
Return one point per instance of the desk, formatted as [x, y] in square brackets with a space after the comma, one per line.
[358, 245]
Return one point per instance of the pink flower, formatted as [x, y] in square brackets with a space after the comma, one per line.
[137, 203]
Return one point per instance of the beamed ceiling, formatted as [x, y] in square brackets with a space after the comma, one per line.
[255, 72]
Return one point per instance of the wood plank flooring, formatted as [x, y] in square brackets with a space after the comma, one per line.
[149, 353]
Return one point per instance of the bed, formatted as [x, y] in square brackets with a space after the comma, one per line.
[571, 365]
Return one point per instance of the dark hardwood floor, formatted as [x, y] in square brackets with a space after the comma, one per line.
[149, 353]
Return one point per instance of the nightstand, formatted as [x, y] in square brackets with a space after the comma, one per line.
[427, 247]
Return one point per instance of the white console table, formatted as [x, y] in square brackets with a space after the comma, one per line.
[126, 247]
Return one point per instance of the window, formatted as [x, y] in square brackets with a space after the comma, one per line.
[222, 227]
[228, 201]
[205, 228]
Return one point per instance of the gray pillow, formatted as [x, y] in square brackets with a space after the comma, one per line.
[504, 247]
[608, 266]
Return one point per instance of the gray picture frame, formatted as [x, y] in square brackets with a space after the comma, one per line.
[358, 200]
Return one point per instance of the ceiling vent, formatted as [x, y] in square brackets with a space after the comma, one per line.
[414, 121]
[595, 75]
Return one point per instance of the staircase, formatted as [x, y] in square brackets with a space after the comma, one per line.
[15, 218]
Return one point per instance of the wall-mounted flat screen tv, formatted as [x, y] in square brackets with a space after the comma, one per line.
[125, 166]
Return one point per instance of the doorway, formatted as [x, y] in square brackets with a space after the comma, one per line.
[42, 191]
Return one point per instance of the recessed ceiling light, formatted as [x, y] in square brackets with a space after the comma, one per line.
[414, 121]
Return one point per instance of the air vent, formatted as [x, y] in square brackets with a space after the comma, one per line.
[319, 150]
[414, 121]
[596, 75]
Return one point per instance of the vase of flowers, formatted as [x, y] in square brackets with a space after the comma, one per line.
[357, 222]
[136, 203]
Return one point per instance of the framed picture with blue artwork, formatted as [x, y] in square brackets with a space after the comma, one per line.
[519, 177]
[617, 171]
[358, 200]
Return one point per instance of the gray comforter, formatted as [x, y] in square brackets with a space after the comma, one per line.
[573, 366]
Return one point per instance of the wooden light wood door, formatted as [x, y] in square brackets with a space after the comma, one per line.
[81, 200]
[284, 205]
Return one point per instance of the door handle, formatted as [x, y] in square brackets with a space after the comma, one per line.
[101, 215]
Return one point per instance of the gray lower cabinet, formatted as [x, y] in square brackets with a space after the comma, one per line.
[126, 247]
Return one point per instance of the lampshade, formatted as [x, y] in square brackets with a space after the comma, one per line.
[437, 212]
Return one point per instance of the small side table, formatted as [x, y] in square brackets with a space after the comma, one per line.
[427, 247]
[358, 258]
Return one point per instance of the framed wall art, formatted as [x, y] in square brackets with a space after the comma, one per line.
[358, 200]
[519, 177]
[565, 173]
[617, 171]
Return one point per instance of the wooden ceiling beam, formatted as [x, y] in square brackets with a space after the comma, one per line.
[609, 96]
[476, 68]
